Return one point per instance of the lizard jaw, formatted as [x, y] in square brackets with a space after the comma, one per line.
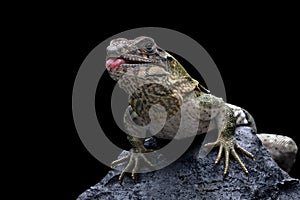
[115, 62]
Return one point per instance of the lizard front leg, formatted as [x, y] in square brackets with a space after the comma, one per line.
[226, 124]
[135, 156]
[137, 153]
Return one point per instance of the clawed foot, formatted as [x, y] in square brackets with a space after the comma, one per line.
[229, 145]
[135, 157]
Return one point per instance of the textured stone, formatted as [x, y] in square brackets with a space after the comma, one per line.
[191, 177]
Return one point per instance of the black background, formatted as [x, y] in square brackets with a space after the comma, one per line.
[257, 60]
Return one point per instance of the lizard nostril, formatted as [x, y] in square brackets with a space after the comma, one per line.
[111, 50]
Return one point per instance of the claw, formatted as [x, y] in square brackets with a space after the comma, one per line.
[134, 158]
[247, 153]
[135, 168]
[237, 158]
[214, 144]
[114, 163]
[229, 147]
[219, 154]
[226, 161]
[121, 177]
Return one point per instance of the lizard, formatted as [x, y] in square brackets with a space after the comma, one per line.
[151, 76]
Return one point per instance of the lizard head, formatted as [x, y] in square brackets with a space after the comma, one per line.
[123, 55]
[142, 54]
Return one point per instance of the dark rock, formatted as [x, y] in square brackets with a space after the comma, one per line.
[191, 177]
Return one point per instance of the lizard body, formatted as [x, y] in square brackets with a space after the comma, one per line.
[151, 76]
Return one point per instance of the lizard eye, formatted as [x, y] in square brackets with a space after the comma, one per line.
[149, 46]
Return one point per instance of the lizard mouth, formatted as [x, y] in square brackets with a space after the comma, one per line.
[123, 61]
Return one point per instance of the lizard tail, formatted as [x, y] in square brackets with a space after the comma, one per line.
[251, 122]
[283, 149]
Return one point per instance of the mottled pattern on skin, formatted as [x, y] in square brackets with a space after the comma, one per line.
[282, 149]
[151, 76]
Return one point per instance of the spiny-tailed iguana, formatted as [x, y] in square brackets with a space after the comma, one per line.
[152, 76]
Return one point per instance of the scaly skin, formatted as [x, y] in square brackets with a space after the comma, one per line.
[152, 76]
[282, 149]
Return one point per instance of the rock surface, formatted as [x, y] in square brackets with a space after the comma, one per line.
[191, 177]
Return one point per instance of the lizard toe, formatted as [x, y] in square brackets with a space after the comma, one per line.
[136, 157]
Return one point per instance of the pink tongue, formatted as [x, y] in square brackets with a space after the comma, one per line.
[113, 63]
